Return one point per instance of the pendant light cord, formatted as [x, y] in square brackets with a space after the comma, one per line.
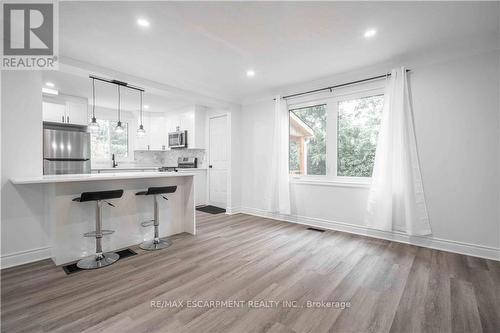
[119, 98]
[93, 98]
[141, 107]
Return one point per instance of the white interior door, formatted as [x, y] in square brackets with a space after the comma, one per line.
[218, 161]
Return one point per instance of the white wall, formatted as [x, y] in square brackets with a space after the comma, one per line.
[236, 159]
[23, 233]
[456, 109]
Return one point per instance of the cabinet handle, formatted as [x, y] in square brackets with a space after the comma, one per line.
[63, 119]
[67, 118]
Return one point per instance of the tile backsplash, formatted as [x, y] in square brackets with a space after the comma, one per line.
[167, 157]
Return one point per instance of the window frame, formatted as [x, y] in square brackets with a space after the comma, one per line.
[130, 140]
[331, 100]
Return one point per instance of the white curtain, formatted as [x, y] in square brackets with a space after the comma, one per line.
[396, 200]
[278, 192]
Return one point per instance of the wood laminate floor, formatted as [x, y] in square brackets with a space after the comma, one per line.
[391, 287]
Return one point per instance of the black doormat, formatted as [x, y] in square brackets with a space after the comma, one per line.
[72, 268]
[211, 209]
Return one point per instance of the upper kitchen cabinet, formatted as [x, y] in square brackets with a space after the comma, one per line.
[159, 124]
[76, 113]
[200, 121]
[156, 132]
[65, 109]
[192, 120]
[54, 112]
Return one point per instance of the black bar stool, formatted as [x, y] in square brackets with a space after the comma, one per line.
[99, 259]
[156, 243]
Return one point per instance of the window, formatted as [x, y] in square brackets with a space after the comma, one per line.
[106, 141]
[308, 140]
[333, 138]
[358, 125]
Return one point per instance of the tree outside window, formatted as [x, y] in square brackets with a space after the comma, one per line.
[358, 127]
[307, 154]
[106, 141]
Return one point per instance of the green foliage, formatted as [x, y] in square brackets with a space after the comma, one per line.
[106, 141]
[314, 117]
[358, 126]
[294, 156]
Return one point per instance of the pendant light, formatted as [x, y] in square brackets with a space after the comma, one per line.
[140, 131]
[119, 128]
[93, 125]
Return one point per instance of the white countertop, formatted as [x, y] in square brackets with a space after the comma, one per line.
[190, 169]
[132, 167]
[47, 179]
[135, 167]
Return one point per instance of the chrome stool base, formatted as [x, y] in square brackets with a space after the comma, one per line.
[152, 246]
[93, 262]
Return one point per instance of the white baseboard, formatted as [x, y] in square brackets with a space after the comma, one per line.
[424, 241]
[24, 257]
[233, 210]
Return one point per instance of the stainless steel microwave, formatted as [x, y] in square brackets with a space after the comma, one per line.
[177, 139]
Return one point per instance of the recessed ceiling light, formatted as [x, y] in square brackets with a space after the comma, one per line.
[143, 22]
[370, 33]
[50, 91]
[250, 73]
[146, 107]
[50, 84]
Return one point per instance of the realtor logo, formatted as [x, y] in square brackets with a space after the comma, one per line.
[29, 36]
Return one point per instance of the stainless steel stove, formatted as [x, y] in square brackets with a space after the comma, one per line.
[167, 169]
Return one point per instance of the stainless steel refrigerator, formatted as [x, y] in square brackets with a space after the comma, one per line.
[66, 149]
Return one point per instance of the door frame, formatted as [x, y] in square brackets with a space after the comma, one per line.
[228, 154]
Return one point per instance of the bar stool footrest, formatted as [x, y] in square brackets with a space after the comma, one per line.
[94, 233]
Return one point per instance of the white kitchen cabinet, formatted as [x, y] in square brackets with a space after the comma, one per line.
[76, 113]
[200, 117]
[186, 123]
[65, 109]
[156, 132]
[142, 143]
[158, 125]
[192, 120]
[53, 112]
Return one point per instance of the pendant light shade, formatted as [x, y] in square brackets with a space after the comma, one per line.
[93, 125]
[119, 127]
[141, 131]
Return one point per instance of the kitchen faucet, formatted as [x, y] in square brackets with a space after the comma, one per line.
[113, 160]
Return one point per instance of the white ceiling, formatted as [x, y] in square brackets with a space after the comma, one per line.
[107, 94]
[208, 46]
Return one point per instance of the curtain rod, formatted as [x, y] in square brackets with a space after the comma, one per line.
[118, 83]
[339, 85]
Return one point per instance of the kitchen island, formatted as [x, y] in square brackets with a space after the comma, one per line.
[67, 220]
